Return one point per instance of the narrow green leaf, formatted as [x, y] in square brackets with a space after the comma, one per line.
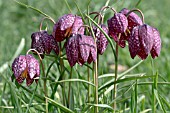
[101, 106]
[74, 80]
[33, 8]
[130, 69]
[159, 101]
[65, 109]
[111, 82]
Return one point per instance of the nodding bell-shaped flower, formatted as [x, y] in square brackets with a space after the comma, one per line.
[66, 26]
[80, 49]
[26, 67]
[101, 40]
[144, 39]
[133, 19]
[44, 43]
[118, 24]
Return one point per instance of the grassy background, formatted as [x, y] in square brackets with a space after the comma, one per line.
[19, 22]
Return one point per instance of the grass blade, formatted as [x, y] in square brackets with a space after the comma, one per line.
[65, 109]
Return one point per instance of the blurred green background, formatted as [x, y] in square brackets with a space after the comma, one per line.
[18, 22]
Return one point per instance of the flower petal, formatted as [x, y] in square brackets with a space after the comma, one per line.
[19, 66]
[156, 44]
[134, 42]
[77, 29]
[146, 37]
[32, 65]
[102, 41]
[84, 47]
[72, 50]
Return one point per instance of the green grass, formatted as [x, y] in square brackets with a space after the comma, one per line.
[135, 92]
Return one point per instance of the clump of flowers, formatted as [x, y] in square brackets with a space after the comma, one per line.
[81, 46]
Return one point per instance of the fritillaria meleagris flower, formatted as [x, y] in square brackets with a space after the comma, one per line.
[67, 25]
[44, 43]
[26, 67]
[101, 40]
[133, 19]
[143, 40]
[117, 24]
[80, 49]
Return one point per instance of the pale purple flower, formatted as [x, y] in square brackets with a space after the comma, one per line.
[26, 67]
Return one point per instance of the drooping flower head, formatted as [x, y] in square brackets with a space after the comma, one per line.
[117, 24]
[144, 39]
[44, 43]
[101, 40]
[133, 18]
[80, 49]
[67, 25]
[26, 67]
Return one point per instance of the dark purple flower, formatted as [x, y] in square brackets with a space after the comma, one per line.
[72, 50]
[26, 67]
[44, 43]
[117, 24]
[79, 48]
[156, 48]
[67, 25]
[141, 41]
[133, 19]
[101, 41]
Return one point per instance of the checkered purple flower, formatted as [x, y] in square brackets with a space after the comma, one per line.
[44, 43]
[144, 39]
[102, 41]
[66, 26]
[80, 49]
[26, 67]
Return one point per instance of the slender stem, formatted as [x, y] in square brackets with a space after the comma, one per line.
[94, 68]
[96, 86]
[45, 80]
[88, 70]
[153, 88]
[106, 7]
[43, 21]
[138, 10]
[69, 90]
[62, 69]
[116, 73]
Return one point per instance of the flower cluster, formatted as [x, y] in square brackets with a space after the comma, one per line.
[81, 46]
[142, 38]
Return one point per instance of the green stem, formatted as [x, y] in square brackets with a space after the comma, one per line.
[45, 88]
[62, 69]
[94, 67]
[69, 90]
[116, 73]
[45, 78]
[154, 86]
[88, 84]
[33, 8]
